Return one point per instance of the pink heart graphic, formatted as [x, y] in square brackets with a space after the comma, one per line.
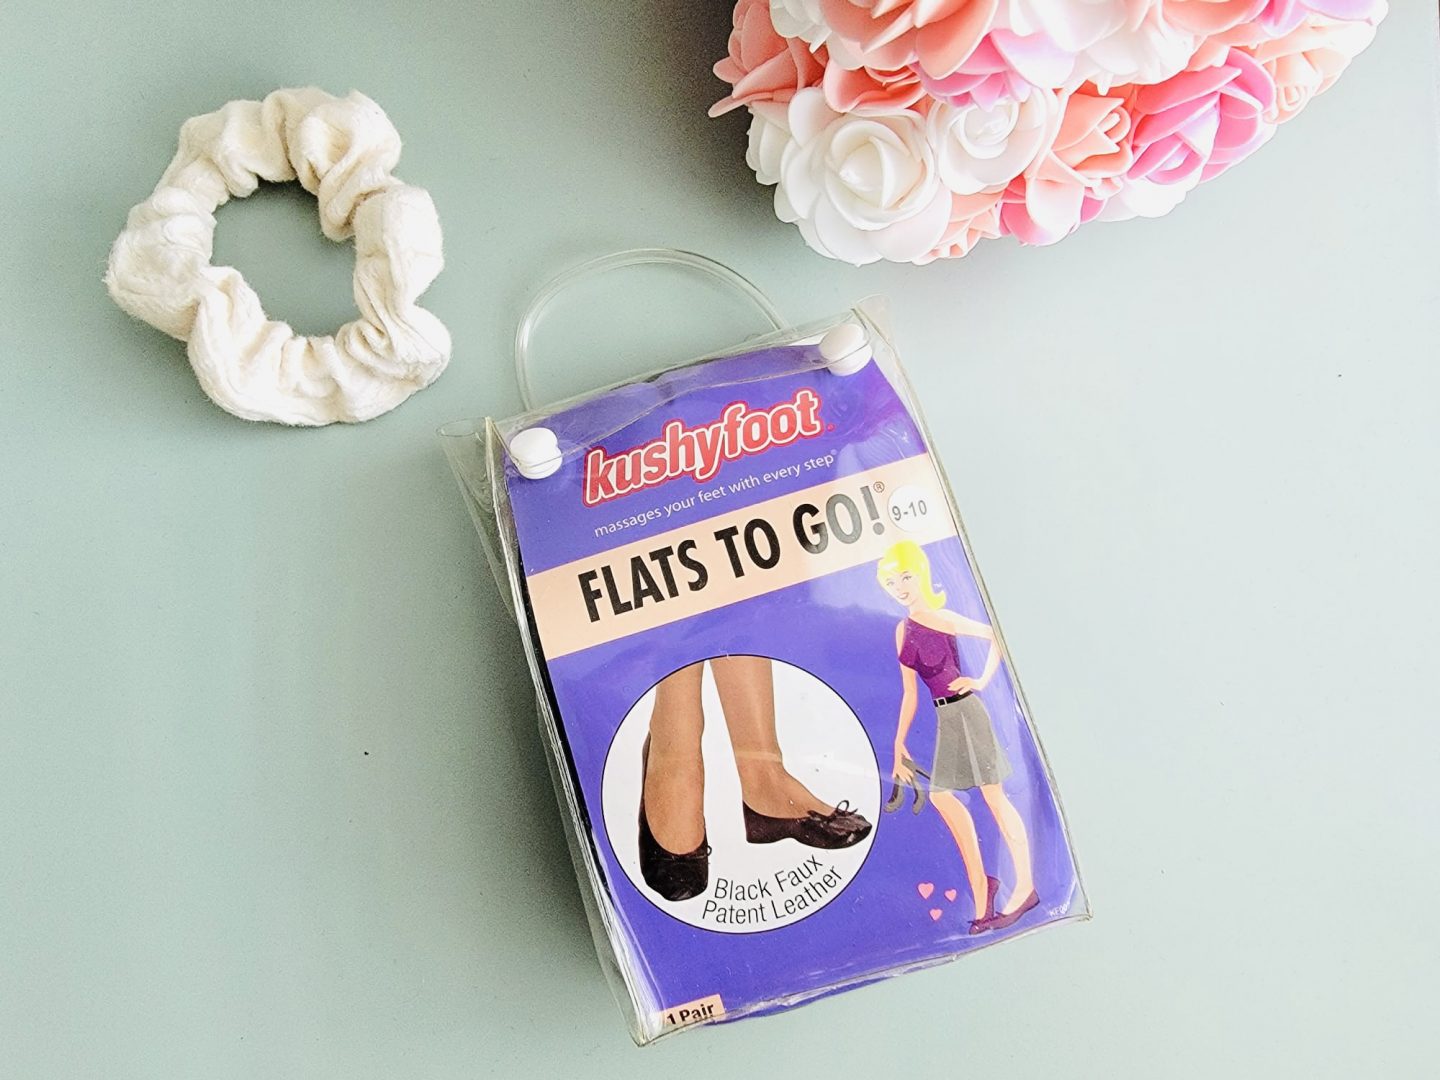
[950, 895]
[935, 914]
[926, 888]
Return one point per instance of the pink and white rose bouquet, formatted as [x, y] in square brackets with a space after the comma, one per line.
[910, 130]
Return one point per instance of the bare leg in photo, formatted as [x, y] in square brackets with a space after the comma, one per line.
[675, 775]
[747, 696]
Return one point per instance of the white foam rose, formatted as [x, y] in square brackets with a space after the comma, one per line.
[800, 19]
[1149, 51]
[803, 19]
[861, 188]
[979, 149]
[1147, 199]
[769, 135]
[1074, 25]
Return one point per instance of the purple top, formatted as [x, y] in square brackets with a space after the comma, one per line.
[933, 655]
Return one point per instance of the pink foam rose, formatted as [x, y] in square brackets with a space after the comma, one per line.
[762, 65]
[1068, 184]
[1281, 16]
[984, 78]
[1003, 65]
[1206, 17]
[1306, 61]
[1197, 124]
[1277, 18]
[935, 35]
[972, 218]
[861, 89]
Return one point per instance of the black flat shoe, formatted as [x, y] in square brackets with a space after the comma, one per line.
[841, 828]
[674, 877]
[985, 921]
[1004, 921]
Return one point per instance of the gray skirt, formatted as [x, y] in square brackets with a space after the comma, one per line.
[967, 753]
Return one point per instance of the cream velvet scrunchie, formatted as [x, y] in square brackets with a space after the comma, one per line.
[341, 150]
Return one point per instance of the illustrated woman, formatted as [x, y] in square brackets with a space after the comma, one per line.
[967, 753]
[674, 854]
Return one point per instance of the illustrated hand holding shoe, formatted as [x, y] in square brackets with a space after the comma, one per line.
[905, 768]
[904, 772]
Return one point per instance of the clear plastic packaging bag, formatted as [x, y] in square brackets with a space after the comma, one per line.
[789, 742]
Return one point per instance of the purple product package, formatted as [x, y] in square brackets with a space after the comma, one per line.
[792, 746]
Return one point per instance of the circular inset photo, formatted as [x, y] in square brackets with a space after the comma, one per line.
[741, 794]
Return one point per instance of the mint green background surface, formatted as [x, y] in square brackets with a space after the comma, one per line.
[270, 796]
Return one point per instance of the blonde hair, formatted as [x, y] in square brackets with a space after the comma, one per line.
[908, 557]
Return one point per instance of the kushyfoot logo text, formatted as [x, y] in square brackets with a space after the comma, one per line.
[698, 452]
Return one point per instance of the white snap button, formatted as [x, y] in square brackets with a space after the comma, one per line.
[846, 348]
[536, 453]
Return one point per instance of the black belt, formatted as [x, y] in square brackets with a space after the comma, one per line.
[952, 698]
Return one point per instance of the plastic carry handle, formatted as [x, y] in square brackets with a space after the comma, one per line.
[616, 261]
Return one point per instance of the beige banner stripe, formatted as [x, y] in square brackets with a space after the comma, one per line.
[562, 615]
